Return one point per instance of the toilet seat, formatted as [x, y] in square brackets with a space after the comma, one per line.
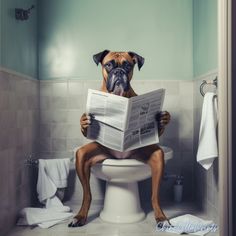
[122, 162]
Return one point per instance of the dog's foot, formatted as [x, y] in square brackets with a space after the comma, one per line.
[78, 221]
[160, 216]
[161, 219]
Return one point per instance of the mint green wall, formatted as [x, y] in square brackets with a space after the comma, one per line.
[204, 36]
[70, 32]
[18, 38]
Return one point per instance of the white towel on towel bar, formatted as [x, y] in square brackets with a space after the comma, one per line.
[207, 146]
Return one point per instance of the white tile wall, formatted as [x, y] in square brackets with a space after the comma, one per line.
[19, 137]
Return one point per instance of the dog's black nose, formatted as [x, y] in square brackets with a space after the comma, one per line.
[118, 83]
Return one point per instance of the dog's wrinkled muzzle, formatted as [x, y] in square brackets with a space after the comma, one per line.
[118, 82]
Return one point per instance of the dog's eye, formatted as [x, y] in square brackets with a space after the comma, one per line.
[127, 66]
[108, 66]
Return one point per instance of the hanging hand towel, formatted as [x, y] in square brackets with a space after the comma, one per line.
[207, 146]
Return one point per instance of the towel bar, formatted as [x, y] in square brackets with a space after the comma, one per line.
[204, 83]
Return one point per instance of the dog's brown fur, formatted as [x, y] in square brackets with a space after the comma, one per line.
[92, 153]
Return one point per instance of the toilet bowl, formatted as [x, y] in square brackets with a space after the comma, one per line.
[122, 203]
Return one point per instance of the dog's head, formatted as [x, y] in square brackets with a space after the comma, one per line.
[117, 69]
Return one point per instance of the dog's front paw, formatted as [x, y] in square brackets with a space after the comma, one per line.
[163, 118]
[78, 221]
[159, 215]
[161, 219]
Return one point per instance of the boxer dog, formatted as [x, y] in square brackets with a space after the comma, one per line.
[117, 70]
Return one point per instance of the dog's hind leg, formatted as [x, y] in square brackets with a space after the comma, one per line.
[154, 157]
[86, 157]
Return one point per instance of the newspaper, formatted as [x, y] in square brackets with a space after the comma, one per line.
[121, 123]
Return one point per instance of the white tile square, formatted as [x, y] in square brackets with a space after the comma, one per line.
[186, 88]
[59, 130]
[74, 116]
[73, 131]
[186, 127]
[46, 88]
[172, 87]
[4, 100]
[59, 144]
[59, 116]
[76, 102]
[45, 102]
[75, 88]
[46, 116]
[59, 89]
[4, 82]
[58, 102]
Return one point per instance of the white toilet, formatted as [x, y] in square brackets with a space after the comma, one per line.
[122, 203]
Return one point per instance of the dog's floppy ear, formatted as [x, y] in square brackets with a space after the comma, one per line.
[99, 56]
[137, 59]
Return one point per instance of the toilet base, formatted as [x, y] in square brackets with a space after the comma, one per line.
[122, 203]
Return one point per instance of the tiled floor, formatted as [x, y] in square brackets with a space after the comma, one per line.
[96, 227]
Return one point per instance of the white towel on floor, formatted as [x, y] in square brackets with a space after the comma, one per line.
[207, 146]
[187, 224]
[43, 217]
[53, 174]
